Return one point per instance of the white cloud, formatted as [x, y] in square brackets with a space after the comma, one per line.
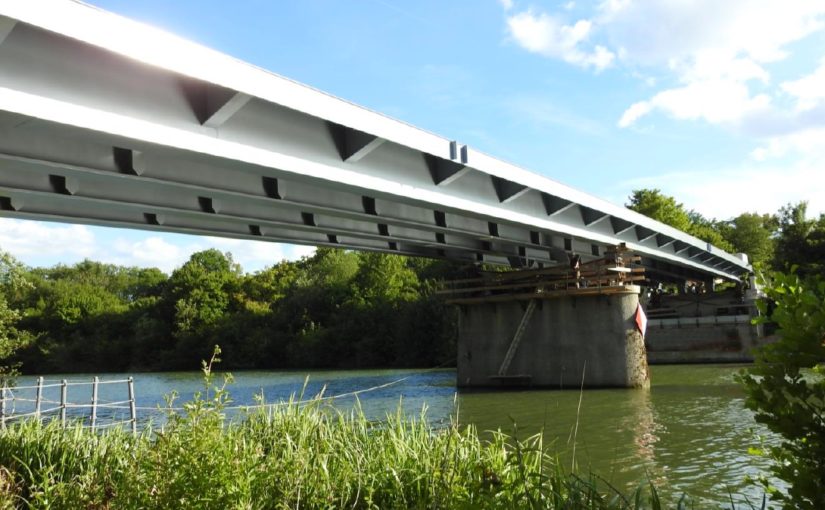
[30, 238]
[715, 101]
[809, 91]
[148, 252]
[686, 36]
[549, 36]
[715, 51]
[656, 32]
[635, 111]
[506, 4]
[807, 146]
[716, 54]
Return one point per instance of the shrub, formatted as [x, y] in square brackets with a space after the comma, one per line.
[786, 390]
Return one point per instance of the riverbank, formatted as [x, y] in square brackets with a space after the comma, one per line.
[293, 456]
[690, 432]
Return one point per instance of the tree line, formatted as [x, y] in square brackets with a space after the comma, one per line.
[334, 309]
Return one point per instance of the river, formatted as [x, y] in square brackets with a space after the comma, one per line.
[690, 433]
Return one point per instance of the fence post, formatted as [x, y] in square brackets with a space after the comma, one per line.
[132, 410]
[39, 397]
[94, 401]
[3, 408]
[63, 394]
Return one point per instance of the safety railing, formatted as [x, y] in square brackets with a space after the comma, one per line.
[51, 402]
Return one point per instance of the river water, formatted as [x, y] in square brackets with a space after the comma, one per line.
[689, 434]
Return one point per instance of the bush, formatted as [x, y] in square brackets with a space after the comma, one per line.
[786, 390]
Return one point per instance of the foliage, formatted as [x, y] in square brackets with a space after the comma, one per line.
[335, 309]
[12, 283]
[753, 234]
[654, 204]
[786, 388]
[801, 241]
[709, 230]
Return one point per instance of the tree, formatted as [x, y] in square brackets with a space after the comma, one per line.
[752, 234]
[12, 280]
[329, 267]
[337, 308]
[271, 284]
[660, 207]
[385, 278]
[784, 398]
[654, 204]
[200, 291]
[801, 241]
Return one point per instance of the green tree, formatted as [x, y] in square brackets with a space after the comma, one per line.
[654, 204]
[328, 267]
[385, 278]
[801, 240]
[336, 308]
[708, 230]
[12, 281]
[271, 284]
[752, 234]
[200, 291]
[788, 398]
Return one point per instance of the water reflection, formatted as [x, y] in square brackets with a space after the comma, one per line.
[646, 435]
[688, 434]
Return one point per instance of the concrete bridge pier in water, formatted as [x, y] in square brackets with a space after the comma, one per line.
[588, 339]
[561, 327]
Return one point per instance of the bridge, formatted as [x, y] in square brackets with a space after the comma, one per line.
[106, 121]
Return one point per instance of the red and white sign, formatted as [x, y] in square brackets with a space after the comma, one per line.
[641, 319]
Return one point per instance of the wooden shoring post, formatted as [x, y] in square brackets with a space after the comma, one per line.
[39, 397]
[94, 401]
[64, 392]
[132, 410]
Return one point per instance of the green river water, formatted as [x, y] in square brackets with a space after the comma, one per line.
[689, 433]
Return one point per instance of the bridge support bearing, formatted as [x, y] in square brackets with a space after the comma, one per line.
[584, 338]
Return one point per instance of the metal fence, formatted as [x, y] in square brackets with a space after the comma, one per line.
[51, 402]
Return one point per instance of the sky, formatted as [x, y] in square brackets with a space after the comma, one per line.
[720, 104]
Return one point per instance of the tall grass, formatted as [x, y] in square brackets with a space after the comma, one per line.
[296, 455]
[290, 457]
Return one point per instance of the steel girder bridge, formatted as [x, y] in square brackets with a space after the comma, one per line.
[106, 121]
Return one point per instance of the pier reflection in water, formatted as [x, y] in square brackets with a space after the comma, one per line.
[689, 433]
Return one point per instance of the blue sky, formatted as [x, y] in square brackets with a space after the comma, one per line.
[721, 104]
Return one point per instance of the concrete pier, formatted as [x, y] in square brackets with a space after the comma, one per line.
[584, 337]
